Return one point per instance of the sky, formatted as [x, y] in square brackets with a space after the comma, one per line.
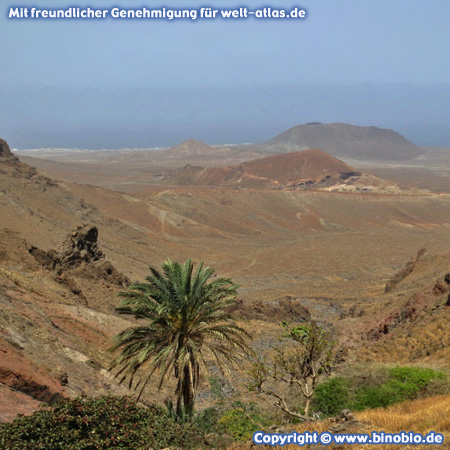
[135, 84]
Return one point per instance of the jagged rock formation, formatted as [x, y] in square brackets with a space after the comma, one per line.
[79, 250]
[80, 247]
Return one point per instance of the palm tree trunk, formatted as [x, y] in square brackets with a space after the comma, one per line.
[188, 390]
[179, 392]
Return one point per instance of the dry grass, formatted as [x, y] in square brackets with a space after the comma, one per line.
[420, 416]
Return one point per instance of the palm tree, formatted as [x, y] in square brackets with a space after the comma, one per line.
[187, 323]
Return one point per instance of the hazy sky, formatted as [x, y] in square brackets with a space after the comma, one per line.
[113, 83]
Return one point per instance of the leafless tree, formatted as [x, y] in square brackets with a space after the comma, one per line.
[310, 357]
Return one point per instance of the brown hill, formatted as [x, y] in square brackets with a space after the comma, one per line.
[190, 147]
[307, 169]
[292, 167]
[344, 140]
[196, 152]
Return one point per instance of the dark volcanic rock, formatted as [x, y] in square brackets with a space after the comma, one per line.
[350, 173]
[80, 252]
[46, 259]
[80, 247]
[5, 151]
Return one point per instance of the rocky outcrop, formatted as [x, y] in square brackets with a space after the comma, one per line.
[426, 301]
[403, 273]
[80, 247]
[5, 151]
[11, 166]
[80, 251]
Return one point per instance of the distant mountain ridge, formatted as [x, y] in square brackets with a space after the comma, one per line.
[343, 140]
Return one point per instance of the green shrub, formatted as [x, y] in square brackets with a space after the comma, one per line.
[241, 421]
[403, 383]
[207, 420]
[374, 390]
[418, 376]
[98, 423]
[393, 391]
[332, 396]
